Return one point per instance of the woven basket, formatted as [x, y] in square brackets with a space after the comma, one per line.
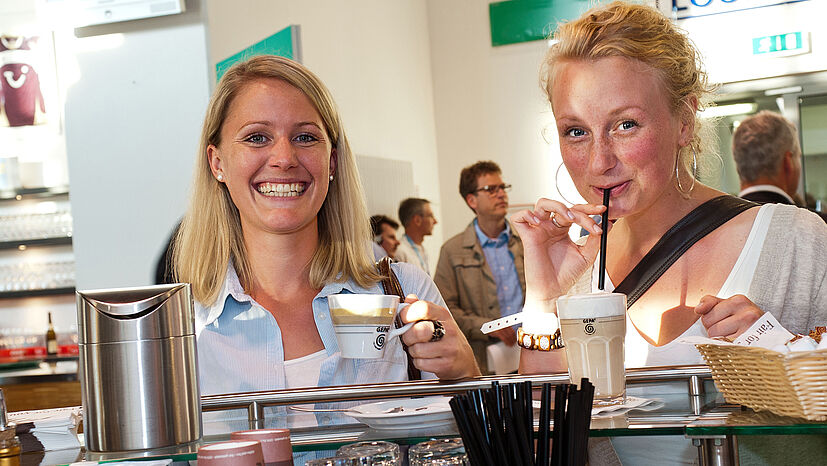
[792, 384]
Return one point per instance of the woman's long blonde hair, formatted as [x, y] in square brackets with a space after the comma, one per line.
[621, 29]
[211, 235]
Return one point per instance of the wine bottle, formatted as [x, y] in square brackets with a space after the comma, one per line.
[51, 338]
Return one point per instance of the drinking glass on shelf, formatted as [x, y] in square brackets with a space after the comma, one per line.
[336, 461]
[442, 452]
[377, 453]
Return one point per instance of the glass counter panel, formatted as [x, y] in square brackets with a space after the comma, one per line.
[677, 413]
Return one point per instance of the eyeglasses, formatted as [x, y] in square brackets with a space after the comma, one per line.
[493, 189]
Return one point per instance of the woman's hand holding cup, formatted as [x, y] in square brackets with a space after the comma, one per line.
[553, 262]
[449, 357]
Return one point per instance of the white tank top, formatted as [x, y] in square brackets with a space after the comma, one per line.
[303, 372]
[640, 353]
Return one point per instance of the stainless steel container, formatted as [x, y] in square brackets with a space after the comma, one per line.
[138, 368]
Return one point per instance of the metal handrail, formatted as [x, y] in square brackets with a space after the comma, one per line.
[255, 401]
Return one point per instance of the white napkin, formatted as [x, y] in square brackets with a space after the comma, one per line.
[765, 333]
[631, 402]
[56, 428]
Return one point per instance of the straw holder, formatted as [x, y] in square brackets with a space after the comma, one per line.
[791, 384]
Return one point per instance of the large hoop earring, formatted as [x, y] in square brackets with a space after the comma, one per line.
[557, 184]
[694, 173]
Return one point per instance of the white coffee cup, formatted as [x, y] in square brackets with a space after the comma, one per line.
[363, 323]
[593, 327]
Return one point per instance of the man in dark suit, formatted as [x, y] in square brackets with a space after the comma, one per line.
[768, 159]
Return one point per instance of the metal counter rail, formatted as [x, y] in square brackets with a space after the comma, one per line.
[256, 401]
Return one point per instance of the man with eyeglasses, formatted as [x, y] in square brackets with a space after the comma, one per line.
[419, 220]
[480, 271]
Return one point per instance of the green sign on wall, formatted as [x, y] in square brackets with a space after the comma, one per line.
[515, 21]
[778, 44]
[284, 43]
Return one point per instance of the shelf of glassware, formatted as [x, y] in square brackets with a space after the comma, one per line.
[42, 219]
[32, 193]
[38, 224]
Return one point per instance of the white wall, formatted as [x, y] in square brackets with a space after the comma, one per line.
[488, 106]
[374, 57]
[132, 124]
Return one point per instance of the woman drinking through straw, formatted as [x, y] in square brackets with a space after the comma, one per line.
[625, 88]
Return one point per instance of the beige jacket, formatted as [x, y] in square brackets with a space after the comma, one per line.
[468, 287]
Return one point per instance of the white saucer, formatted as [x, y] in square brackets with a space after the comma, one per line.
[414, 413]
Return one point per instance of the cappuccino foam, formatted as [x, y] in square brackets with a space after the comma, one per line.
[373, 316]
[369, 309]
[591, 305]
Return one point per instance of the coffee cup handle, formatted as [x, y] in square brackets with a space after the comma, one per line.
[397, 332]
[401, 330]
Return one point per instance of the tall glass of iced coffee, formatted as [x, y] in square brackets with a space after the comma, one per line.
[593, 327]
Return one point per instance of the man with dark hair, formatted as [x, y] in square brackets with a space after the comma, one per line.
[384, 236]
[480, 271]
[416, 216]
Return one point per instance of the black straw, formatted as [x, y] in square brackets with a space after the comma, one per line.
[604, 224]
[558, 457]
[497, 425]
[544, 426]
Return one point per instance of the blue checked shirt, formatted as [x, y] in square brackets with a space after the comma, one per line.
[501, 262]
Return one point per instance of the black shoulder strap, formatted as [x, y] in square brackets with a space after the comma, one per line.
[695, 225]
[391, 286]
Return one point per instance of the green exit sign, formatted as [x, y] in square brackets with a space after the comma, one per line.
[792, 43]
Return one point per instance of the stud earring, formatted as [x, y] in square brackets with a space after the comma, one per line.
[331, 177]
[220, 177]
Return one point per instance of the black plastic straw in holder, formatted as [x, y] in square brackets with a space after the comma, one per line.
[497, 424]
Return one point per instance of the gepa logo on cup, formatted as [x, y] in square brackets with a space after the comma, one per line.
[382, 329]
[589, 327]
[379, 343]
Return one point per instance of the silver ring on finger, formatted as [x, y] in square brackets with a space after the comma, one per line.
[554, 220]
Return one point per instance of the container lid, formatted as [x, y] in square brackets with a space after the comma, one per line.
[127, 314]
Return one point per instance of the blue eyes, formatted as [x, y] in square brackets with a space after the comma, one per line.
[261, 139]
[580, 132]
[306, 138]
[256, 139]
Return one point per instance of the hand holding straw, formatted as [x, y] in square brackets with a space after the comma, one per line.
[604, 224]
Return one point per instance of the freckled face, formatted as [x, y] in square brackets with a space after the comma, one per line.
[617, 131]
[275, 157]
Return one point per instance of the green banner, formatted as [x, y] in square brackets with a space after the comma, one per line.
[516, 21]
[284, 43]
